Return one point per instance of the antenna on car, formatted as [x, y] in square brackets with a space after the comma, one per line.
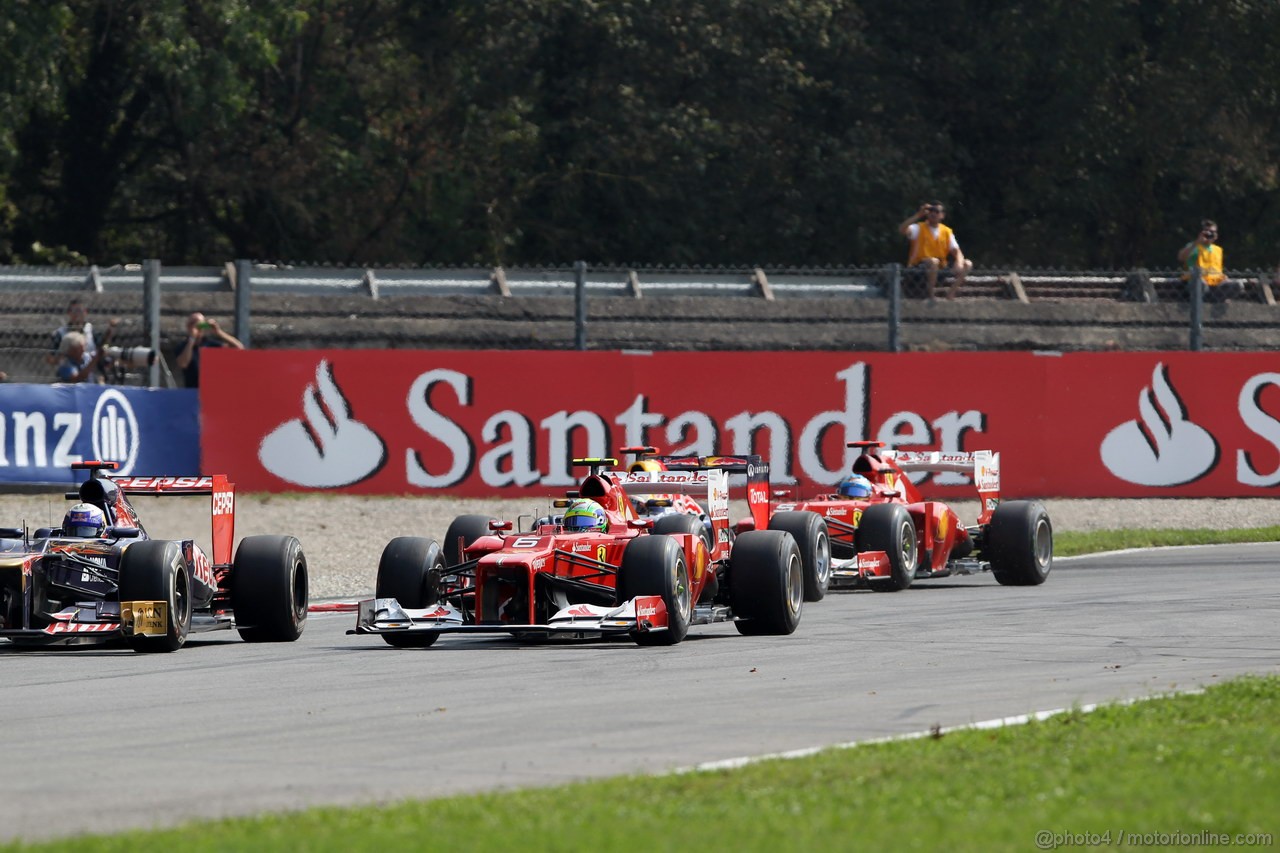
[95, 468]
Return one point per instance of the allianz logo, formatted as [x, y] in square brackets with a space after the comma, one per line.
[53, 439]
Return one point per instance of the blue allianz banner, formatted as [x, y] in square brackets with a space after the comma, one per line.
[147, 431]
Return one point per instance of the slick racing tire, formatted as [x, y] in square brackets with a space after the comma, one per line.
[404, 573]
[1018, 543]
[766, 582]
[270, 589]
[810, 533]
[674, 524]
[154, 570]
[655, 565]
[468, 528]
[889, 528]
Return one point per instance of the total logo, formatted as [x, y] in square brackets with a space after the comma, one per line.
[1163, 446]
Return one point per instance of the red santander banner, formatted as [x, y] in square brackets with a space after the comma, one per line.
[1173, 424]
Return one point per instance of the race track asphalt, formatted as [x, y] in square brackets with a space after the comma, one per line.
[101, 739]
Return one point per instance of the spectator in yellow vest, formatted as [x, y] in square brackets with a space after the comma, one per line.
[1204, 254]
[932, 246]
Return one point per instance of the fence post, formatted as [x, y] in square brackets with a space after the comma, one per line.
[895, 308]
[1197, 310]
[580, 305]
[244, 285]
[151, 315]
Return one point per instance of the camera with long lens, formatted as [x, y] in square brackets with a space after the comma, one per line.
[127, 357]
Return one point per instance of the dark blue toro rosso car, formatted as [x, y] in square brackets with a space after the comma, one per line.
[100, 576]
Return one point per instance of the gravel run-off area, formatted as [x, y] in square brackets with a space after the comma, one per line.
[343, 535]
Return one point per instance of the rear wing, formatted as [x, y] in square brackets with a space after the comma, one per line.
[711, 486]
[753, 467]
[222, 499]
[982, 465]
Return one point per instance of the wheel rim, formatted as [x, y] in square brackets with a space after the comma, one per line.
[683, 596]
[1043, 543]
[907, 547]
[181, 601]
[822, 559]
[795, 583]
[299, 593]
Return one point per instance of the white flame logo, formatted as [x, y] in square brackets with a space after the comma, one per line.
[1163, 448]
[326, 448]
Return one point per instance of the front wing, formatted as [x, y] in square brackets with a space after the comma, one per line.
[98, 620]
[385, 616]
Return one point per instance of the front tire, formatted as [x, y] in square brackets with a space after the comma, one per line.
[810, 533]
[1018, 543]
[468, 528]
[153, 570]
[655, 565]
[889, 528]
[404, 573]
[766, 582]
[269, 592]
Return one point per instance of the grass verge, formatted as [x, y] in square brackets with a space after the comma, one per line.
[1187, 764]
[1068, 543]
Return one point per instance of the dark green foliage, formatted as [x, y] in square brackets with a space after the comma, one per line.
[798, 132]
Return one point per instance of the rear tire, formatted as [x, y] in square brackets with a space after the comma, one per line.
[810, 532]
[404, 573]
[766, 582]
[674, 524]
[1018, 543]
[269, 591]
[655, 565]
[467, 527]
[153, 570]
[889, 528]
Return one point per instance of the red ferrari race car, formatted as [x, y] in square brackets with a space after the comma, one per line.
[655, 506]
[99, 576]
[879, 531]
[595, 569]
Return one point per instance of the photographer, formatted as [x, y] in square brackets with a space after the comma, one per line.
[201, 333]
[77, 364]
[1206, 255]
[932, 246]
[77, 321]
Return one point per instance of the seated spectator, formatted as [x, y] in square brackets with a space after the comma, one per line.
[1205, 255]
[77, 365]
[201, 333]
[932, 245]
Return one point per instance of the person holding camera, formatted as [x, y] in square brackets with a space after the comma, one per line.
[201, 332]
[1204, 254]
[932, 246]
[77, 321]
[76, 363]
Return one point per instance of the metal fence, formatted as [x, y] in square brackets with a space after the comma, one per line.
[584, 307]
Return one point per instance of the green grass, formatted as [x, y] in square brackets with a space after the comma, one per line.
[1190, 763]
[1071, 543]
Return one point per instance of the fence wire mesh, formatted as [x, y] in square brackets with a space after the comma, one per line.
[623, 307]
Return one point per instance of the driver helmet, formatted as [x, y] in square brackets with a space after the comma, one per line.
[645, 465]
[84, 521]
[584, 515]
[854, 486]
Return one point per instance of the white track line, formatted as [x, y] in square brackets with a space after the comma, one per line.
[1019, 720]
